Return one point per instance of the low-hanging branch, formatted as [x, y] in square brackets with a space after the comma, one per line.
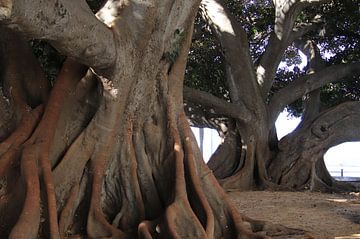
[308, 83]
[222, 107]
[334, 126]
[338, 124]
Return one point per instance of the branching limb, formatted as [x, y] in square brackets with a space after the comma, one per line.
[58, 22]
[308, 83]
[240, 70]
[221, 107]
[298, 165]
[286, 13]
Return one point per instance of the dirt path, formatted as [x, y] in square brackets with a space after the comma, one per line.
[326, 215]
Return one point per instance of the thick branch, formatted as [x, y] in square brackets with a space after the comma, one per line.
[240, 70]
[316, 63]
[301, 153]
[222, 107]
[338, 125]
[308, 83]
[70, 26]
[286, 13]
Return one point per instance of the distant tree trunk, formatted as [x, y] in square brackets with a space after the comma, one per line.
[107, 152]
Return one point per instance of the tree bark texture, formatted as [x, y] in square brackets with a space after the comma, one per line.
[107, 152]
[299, 162]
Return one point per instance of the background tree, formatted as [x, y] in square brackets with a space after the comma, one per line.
[251, 39]
[107, 151]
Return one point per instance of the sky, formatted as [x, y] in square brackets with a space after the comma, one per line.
[345, 156]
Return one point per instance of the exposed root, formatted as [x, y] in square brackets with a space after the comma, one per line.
[36, 151]
[68, 212]
[11, 147]
[28, 223]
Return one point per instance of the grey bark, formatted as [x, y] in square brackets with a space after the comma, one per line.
[296, 165]
[58, 22]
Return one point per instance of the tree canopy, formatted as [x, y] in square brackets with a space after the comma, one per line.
[335, 31]
[277, 37]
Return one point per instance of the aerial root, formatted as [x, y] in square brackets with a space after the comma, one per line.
[36, 151]
[68, 212]
[206, 209]
[11, 147]
[29, 221]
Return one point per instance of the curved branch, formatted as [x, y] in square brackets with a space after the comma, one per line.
[222, 107]
[308, 83]
[301, 153]
[240, 70]
[286, 13]
[69, 26]
[338, 125]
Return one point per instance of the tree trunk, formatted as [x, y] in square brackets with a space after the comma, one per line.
[299, 163]
[109, 154]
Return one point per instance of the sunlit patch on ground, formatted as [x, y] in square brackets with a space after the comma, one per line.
[354, 236]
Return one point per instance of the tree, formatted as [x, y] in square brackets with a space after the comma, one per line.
[106, 152]
[251, 49]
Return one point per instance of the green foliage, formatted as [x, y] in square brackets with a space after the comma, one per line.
[205, 67]
[339, 41]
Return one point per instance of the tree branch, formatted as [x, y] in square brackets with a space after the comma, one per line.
[334, 126]
[339, 124]
[233, 39]
[315, 64]
[69, 26]
[286, 13]
[308, 83]
[219, 106]
[303, 28]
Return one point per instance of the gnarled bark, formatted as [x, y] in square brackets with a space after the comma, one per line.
[110, 154]
[299, 163]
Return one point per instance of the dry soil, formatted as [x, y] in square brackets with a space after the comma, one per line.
[325, 215]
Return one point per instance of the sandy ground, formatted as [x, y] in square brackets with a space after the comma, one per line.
[326, 215]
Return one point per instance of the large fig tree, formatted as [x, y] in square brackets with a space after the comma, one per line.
[106, 152]
[253, 40]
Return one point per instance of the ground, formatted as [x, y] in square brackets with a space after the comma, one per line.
[326, 215]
